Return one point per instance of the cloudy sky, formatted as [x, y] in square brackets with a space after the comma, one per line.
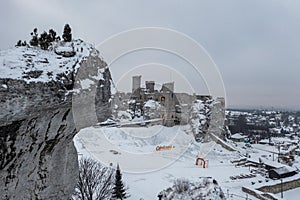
[255, 43]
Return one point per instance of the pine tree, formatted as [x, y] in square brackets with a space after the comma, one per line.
[67, 35]
[51, 35]
[19, 43]
[24, 43]
[119, 190]
[44, 41]
[34, 41]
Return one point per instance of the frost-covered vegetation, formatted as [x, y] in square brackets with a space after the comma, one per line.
[206, 188]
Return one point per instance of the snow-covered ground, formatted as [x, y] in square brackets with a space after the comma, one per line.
[134, 148]
[18, 62]
[147, 171]
[290, 194]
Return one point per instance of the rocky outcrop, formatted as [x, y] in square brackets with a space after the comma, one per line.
[217, 117]
[204, 188]
[38, 159]
[207, 116]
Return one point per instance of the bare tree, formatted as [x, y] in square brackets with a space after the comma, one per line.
[181, 185]
[95, 181]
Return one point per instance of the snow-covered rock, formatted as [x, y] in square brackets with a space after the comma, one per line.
[37, 157]
[205, 188]
[153, 110]
[207, 116]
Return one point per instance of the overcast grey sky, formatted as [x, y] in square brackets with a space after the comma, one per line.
[255, 43]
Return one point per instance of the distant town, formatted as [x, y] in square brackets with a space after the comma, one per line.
[263, 124]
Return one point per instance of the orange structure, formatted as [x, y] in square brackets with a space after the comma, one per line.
[202, 162]
[161, 148]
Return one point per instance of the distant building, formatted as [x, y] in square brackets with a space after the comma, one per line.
[282, 172]
[238, 137]
[165, 97]
[176, 106]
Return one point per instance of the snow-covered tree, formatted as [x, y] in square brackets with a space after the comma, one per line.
[44, 41]
[67, 35]
[19, 43]
[119, 190]
[51, 35]
[34, 41]
[24, 43]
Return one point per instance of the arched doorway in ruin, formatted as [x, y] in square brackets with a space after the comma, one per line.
[201, 162]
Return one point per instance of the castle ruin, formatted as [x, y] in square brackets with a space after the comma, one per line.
[150, 103]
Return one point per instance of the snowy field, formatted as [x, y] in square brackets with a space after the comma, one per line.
[290, 194]
[147, 172]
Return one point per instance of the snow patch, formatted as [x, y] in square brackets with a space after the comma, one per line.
[86, 83]
[4, 86]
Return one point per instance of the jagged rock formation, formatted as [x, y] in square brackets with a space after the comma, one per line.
[217, 117]
[207, 116]
[38, 159]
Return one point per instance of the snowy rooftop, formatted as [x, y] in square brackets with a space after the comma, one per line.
[279, 166]
[279, 140]
[238, 136]
[284, 170]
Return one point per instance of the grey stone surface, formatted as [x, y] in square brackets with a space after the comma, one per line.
[211, 116]
[217, 116]
[38, 159]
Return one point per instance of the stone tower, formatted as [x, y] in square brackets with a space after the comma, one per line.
[136, 83]
[150, 86]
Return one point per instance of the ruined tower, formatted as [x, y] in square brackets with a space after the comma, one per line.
[136, 83]
[150, 86]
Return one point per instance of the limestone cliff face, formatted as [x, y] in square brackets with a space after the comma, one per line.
[207, 116]
[217, 117]
[38, 159]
